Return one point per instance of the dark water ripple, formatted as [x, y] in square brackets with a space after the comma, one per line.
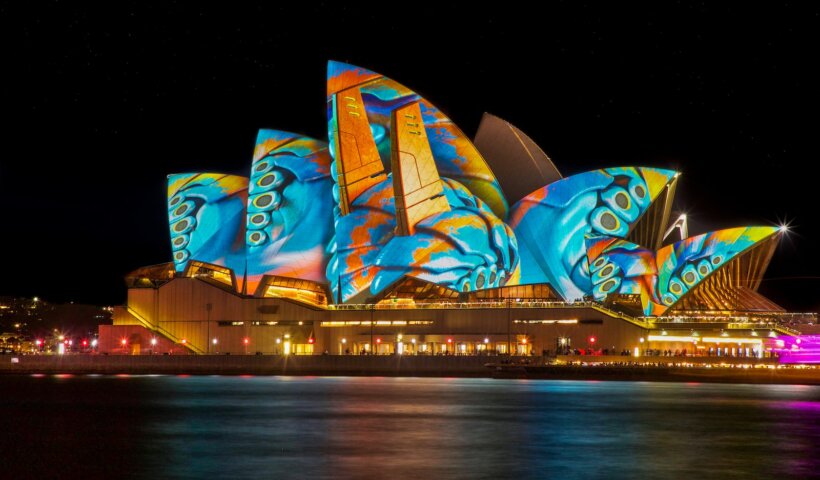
[315, 428]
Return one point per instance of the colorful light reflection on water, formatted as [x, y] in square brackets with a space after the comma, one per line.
[299, 427]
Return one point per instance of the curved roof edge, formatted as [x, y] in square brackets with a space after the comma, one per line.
[519, 164]
[752, 236]
[667, 276]
[268, 140]
[455, 155]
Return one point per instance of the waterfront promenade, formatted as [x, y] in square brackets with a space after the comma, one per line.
[692, 369]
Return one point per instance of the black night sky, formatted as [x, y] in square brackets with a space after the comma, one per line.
[100, 103]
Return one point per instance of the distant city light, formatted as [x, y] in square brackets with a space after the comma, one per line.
[94, 342]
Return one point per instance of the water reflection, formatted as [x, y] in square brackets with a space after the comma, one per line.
[304, 427]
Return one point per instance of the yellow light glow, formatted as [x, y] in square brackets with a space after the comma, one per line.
[753, 341]
[687, 339]
[366, 323]
[670, 338]
[564, 322]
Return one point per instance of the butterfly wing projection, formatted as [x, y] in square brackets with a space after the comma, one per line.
[552, 222]
[206, 213]
[290, 208]
[665, 276]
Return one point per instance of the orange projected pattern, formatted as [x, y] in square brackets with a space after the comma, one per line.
[417, 186]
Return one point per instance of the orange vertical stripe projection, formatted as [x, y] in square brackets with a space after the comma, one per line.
[416, 182]
[357, 159]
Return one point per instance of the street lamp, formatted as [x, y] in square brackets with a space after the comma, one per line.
[509, 326]
[208, 308]
[372, 346]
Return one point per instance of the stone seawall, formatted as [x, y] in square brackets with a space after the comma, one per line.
[435, 366]
[393, 366]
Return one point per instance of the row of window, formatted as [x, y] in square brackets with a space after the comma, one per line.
[366, 323]
[280, 323]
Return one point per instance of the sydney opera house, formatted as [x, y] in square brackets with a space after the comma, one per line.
[401, 235]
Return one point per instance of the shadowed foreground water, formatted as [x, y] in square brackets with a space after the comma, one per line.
[303, 427]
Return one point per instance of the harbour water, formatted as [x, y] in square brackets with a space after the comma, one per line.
[374, 427]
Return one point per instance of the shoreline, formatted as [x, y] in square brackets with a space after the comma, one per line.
[396, 366]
